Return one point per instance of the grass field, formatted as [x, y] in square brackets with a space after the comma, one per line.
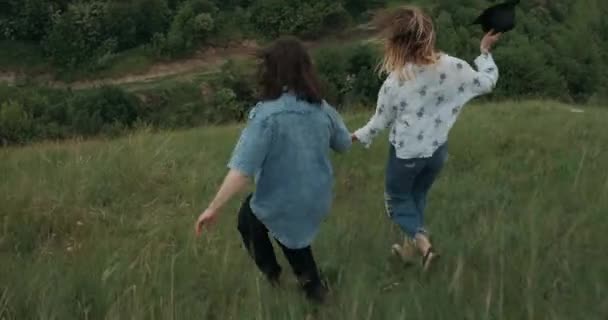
[104, 229]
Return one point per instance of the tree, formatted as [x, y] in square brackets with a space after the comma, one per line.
[192, 25]
[79, 35]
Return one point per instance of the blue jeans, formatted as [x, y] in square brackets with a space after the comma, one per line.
[408, 182]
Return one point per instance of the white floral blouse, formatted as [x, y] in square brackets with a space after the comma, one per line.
[421, 111]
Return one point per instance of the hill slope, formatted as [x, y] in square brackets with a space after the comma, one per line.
[104, 229]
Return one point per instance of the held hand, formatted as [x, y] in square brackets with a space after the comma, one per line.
[206, 218]
[488, 41]
[354, 138]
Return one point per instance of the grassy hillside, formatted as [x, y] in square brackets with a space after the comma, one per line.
[104, 229]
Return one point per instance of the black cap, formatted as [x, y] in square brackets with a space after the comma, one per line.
[500, 18]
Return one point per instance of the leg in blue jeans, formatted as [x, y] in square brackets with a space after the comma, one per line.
[424, 181]
[399, 192]
[407, 184]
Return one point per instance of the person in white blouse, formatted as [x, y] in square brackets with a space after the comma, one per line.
[419, 103]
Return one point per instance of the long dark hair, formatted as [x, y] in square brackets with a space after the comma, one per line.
[286, 65]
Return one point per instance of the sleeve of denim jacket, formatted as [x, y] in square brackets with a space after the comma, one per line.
[340, 136]
[253, 145]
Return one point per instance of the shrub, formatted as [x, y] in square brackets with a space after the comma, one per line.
[79, 36]
[366, 82]
[50, 116]
[223, 107]
[233, 25]
[305, 18]
[357, 7]
[529, 73]
[192, 25]
[27, 19]
[179, 105]
[236, 78]
[348, 74]
[332, 66]
[15, 123]
[151, 17]
[102, 110]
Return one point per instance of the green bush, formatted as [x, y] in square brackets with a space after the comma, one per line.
[223, 107]
[348, 74]
[50, 115]
[305, 18]
[191, 26]
[27, 19]
[234, 24]
[559, 50]
[177, 106]
[15, 123]
[525, 71]
[561, 43]
[135, 22]
[102, 111]
[366, 81]
[357, 7]
[332, 66]
[79, 36]
[236, 78]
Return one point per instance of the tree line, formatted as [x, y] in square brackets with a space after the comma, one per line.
[77, 34]
[557, 51]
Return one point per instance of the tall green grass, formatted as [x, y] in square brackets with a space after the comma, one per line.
[104, 229]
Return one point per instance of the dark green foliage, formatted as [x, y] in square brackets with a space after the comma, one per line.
[30, 114]
[236, 85]
[305, 18]
[233, 24]
[27, 19]
[35, 114]
[362, 68]
[193, 24]
[102, 111]
[356, 7]
[15, 123]
[526, 72]
[556, 50]
[79, 35]
[137, 21]
[332, 70]
[348, 74]
[178, 106]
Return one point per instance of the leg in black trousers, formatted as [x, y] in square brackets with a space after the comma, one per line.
[256, 241]
[258, 244]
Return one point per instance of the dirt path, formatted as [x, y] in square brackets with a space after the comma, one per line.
[205, 60]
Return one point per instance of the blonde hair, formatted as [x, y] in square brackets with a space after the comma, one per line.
[409, 37]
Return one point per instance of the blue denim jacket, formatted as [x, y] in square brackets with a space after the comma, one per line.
[286, 146]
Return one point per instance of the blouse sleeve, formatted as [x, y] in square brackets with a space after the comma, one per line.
[483, 80]
[383, 118]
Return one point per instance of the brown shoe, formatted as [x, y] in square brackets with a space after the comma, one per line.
[428, 258]
[407, 251]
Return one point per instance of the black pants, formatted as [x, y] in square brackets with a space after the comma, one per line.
[257, 241]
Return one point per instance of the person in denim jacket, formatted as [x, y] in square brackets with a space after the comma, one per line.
[285, 148]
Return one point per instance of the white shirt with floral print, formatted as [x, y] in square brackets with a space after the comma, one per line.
[421, 111]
